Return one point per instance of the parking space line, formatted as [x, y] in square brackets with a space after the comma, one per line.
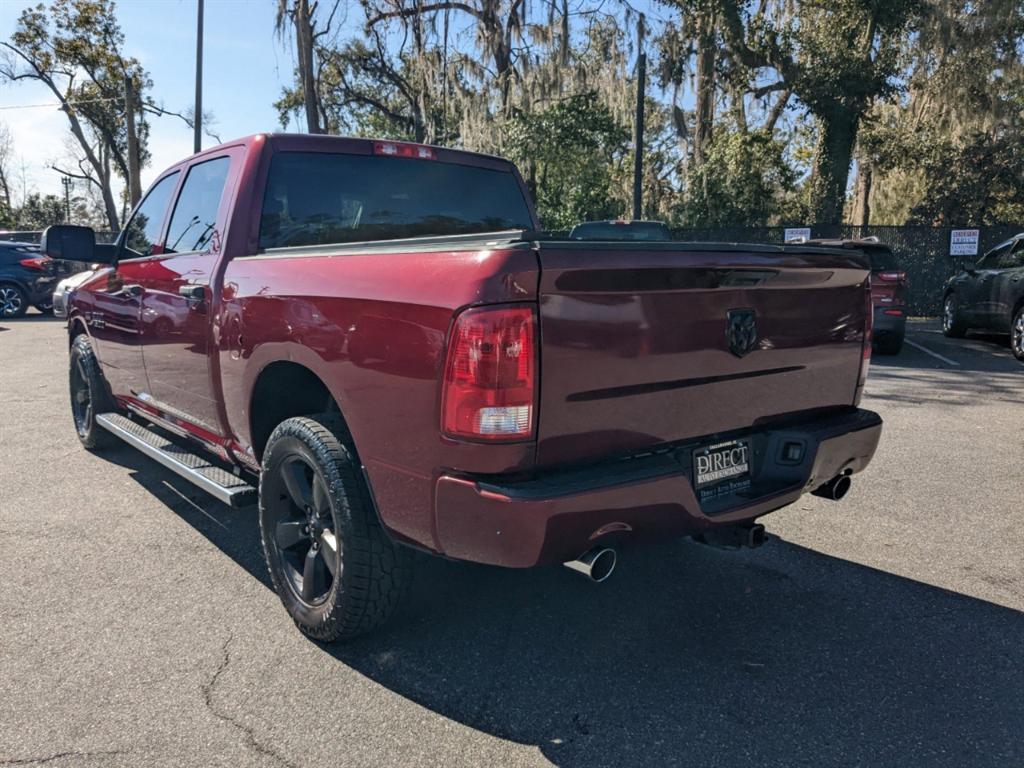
[936, 355]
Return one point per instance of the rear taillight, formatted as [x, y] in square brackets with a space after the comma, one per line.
[892, 277]
[38, 263]
[403, 149]
[490, 375]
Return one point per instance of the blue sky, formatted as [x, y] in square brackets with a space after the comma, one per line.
[245, 67]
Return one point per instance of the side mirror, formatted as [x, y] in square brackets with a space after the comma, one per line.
[72, 243]
[969, 267]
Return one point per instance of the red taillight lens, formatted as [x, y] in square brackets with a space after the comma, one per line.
[490, 375]
[892, 277]
[403, 149]
[38, 263]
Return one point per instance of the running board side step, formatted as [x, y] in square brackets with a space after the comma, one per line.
[217, 482]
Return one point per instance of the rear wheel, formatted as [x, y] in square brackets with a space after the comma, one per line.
[952, 319]
[46, 307]
[13, 301]
[89, 395]
[891, 344]
[333, 566]
[1017, 333]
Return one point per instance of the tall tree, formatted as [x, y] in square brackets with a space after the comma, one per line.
[300, 14]
[835, 58]
[6, 152]
[74, 48]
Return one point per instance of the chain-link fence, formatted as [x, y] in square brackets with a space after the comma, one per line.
[922, 252]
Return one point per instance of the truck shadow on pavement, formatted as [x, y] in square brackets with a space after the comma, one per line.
[687, 655]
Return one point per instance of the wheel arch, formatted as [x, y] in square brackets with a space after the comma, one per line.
[282, 390]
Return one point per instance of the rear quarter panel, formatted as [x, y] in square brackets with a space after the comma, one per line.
[372, 326]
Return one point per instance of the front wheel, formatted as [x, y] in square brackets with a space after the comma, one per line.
[89, 395]
[1017, 333]
[331, 563]
[13, 301]
[952, 319]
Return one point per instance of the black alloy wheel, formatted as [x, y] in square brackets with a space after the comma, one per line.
[298, 512]
[89, 395]
[334, 567]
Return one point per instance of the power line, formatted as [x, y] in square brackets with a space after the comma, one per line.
[59, 104]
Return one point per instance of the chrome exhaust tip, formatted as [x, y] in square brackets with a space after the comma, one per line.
[596, 564]
[834, 489]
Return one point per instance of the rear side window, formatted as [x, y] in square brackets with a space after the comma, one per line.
[315, 198]
[195, 214]
[143, 231]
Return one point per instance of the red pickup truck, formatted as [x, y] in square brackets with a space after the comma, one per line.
[372, 340]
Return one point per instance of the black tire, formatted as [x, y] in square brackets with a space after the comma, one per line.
[1017, 333]
[13, 301]
[952, 318]
[89, 395]
[333, 566]
[45, 307]
[890, 344]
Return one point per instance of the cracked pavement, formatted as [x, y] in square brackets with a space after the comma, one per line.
[137, 626]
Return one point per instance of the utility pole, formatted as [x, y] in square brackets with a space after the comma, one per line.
[638, 158]
[67, 183]
[197, 117]
[134, 185]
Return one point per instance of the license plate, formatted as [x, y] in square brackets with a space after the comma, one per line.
[722, 462]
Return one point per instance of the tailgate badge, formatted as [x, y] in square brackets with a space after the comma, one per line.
[741, 331]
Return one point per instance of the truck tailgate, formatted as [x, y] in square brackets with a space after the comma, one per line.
[654, 343]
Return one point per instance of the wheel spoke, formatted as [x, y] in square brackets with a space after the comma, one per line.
[81, 373]
[295, 480]
[321, 503]
[329, 551]
[312, 575]
[289, 533]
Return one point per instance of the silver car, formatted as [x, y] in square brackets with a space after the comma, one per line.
[64, 289]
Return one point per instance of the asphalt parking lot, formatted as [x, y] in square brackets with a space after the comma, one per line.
[138, 627]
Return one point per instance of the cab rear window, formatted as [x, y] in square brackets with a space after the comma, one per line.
[315, 198]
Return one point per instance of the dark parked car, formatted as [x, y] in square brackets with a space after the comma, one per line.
[27, 279]
[989, 295]
[620, 230]
[888, 291]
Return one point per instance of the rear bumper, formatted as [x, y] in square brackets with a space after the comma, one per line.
[558, 516]
[889, 325]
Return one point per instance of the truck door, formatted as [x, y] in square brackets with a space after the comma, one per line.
[178, 295]
[114, 318]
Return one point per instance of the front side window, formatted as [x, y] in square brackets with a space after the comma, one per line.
[195, 214]
[143, 231]
[316, 198]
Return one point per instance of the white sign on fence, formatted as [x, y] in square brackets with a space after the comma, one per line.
[963, 242]
[797, 233]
